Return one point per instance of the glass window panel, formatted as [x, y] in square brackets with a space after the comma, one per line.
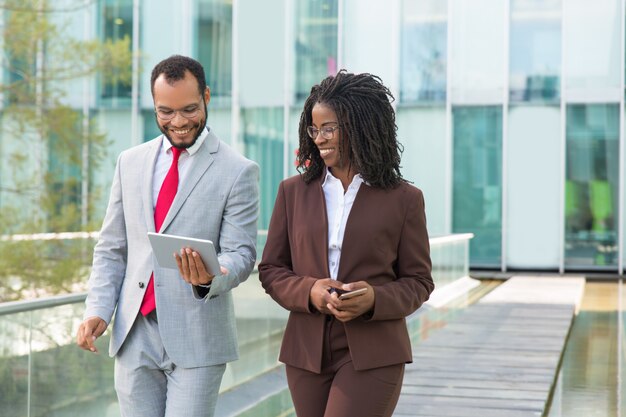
[422, 132]
[592, 44]
[150, 126]
[294, 139]
[477, 187]
[263, 142]
[591, 188]
[478, 50]
[261, 54]
[623, 242]
[117, 23]
[64, 172]
[533, 232]
[55, 358]
[424, 51]
[214, 46]
[535, 54]
[315, 43]
[14, 367]
[20, 66]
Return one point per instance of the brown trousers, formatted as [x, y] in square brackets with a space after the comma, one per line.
[340, 390]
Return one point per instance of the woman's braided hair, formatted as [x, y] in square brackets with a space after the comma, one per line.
[368, 127]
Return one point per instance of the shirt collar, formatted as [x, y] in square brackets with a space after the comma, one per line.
[191, 150]
[357, 180]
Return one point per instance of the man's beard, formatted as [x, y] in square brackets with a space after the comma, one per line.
[199, 129]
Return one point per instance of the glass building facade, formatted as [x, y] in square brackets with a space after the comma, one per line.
[511, 113]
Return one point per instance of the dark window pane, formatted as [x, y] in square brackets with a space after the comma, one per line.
[315, 43]
[477, 189]
[591, 187]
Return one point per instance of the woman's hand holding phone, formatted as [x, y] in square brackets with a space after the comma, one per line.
[357, 299]
[320, 297]
[351, 294]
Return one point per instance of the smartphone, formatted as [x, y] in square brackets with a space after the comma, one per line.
[351, 294]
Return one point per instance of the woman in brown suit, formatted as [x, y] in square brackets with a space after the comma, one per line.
[348, 221]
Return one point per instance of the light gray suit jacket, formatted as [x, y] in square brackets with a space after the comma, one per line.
[218, 200]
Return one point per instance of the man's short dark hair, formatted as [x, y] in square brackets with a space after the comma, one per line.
[174, 69]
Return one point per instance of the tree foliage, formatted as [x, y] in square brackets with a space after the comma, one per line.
[49, 148]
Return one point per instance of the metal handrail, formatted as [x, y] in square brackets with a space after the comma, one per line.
[51, 236]
[12, 307]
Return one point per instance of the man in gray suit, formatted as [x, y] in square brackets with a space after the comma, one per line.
[174, 331]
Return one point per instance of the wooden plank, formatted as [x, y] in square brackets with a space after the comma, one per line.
[455, 411]
[498, 358]
[494, 370]
[472, 402]
[474, 393]
[480, 376]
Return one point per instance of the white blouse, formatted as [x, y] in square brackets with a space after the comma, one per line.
[338, 206]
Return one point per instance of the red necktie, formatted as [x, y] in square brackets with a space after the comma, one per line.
[164, 201]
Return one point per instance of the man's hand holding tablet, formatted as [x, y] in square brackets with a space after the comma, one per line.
[195, 259]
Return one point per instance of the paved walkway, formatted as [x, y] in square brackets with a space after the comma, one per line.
[499, 358]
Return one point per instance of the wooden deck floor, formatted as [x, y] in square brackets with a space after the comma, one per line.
[499, 358]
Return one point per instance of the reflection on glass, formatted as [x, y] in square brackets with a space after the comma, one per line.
[424, 51]
[41, 366]
[477, 188]
[535, 54]
[117, 23]
[263, 140]
[214, 45]
[592, 178]
[589, 380]
[315, 43]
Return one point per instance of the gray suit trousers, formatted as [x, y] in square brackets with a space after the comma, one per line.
[149, 384]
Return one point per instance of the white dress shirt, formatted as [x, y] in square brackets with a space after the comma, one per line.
[164, 161]
[338, 206]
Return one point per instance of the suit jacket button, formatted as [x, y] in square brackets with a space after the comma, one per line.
[141, 285]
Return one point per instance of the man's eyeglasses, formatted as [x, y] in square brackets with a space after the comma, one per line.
[168, 114]
[327, 131]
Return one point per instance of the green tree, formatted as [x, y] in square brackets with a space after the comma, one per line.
[48, 148]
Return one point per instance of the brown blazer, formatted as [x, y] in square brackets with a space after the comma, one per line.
[385, 244]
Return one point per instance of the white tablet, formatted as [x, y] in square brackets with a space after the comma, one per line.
[164, 247]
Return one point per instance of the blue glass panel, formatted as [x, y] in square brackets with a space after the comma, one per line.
[214, 46]
[116, 24]
[591, 187]
[477, 189]
[263, 140]
[315, 43]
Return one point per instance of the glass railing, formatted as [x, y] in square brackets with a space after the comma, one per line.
[43, 372]
[450, 257]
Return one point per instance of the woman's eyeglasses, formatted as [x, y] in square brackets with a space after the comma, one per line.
[327, 131]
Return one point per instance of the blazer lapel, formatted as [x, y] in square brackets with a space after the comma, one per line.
[200, 162]
[322, 244]
[148, 170]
